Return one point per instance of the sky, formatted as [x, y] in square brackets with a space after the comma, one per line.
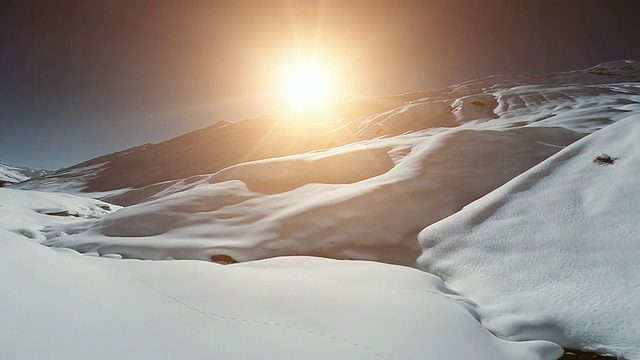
[80, 79]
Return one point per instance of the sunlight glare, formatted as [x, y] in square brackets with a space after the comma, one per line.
[307, 87]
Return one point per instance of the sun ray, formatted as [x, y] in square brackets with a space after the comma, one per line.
[294, 27]
[319, 27]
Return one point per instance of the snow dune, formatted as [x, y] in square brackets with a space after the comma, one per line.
[551, 254]
[373, 208]
[285, 174]
[460, 182]
[39, 215]
[67, 306]
[582, 101]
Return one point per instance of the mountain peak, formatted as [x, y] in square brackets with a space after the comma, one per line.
[16, 174]
[617, 67]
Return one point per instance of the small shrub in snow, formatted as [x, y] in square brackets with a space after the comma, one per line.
[62, 213]
[604, 159]
[223, 259]
[571, 354]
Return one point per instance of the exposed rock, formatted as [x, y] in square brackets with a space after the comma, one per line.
[62, 213]
[223, 259]
[570, 354]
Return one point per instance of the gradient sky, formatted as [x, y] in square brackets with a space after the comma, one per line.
[79, 79]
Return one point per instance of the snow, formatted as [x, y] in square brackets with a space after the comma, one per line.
[328, 203]
[15, 174]
[550, 255]
[489, 184]
[26, 213]
[413, 165]
[70, 180]
[67, 306]
[582, 101]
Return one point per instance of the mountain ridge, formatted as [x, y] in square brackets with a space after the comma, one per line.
[223, 144]
[496, 185]
[10, 174]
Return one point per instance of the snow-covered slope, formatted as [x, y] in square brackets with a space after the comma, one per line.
[59, 304]
[66, 306]
[363, 201]
[368, 199]
[38, 215]
[585, 99]
[546, 256]
[15, 174]
[553, 253]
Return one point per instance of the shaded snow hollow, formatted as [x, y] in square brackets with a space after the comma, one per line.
[539, 241]
[290, 206]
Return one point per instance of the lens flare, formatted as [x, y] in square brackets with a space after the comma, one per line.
[307, 87]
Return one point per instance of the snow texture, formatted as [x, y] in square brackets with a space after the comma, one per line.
[66, 306]
[418, 163]
[497, 175]
[39, 215]
[582, 101]
[16, 174]
[349, 203]
[550, 255]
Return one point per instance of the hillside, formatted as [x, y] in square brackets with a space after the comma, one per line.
[598, 96]
[510, 202]
[15, 174]
[556, 244]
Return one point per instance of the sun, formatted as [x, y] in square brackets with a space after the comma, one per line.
[307, 86]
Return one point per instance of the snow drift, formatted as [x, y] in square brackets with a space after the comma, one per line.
[411, 166]
[550, 255]
[64, 305]
[586, 100]
[543, 243]
[295, 205]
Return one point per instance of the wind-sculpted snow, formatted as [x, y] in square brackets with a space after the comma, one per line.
[583, 101]
[285, 174]
[552, 254]
[545, 244]
[352, 202]
[38, 215]
[66, 306]
[416, 164]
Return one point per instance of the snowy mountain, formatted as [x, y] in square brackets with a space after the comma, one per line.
[515, 194]
[561, 238]
[598, 94]
[13, 174]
